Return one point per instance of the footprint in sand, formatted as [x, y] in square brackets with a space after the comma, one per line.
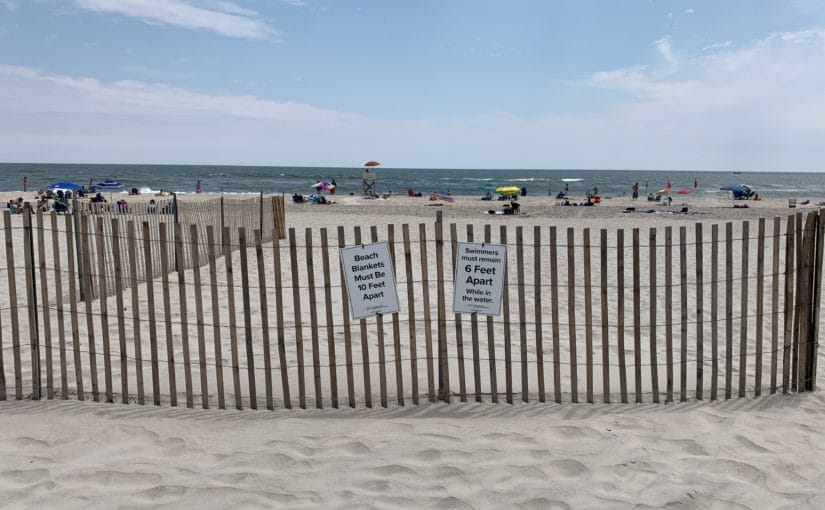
[750, 445]
[566, 468]
[450, 502]
[356, 448]
[25, 476]
[543, 504]
[115, 478]
[23, 443]
[292, 447]
[393, 470]
[691, 447]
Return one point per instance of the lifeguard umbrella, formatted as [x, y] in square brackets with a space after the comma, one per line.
[372, 163]
[508, 191]
[668, 189]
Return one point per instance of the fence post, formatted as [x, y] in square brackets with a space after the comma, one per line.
[443, 366]
[76, 219]
[813, 342]
[31, 299]
[222, 220]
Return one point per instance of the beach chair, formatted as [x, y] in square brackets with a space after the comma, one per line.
[61, 207]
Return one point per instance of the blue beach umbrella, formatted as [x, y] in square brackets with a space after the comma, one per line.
[739, 191]
[65, 185]
[109, 186]
[488, 187]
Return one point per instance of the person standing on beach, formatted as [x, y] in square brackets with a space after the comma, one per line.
[334, 186]
[25, 184]
[635, 191]
[198, 188]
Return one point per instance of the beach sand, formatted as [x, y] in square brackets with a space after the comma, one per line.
[744, 453]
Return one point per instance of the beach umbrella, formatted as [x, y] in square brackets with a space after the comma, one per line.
[65, 186]
[738, 190]
[323, 186]
[488, 187]
[508, 191]
[109, 186]
[372, 163]
[668, 189]
[445, 198]
[685, 191]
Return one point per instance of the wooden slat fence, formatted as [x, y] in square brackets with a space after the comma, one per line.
[248, 212]
[607, 314]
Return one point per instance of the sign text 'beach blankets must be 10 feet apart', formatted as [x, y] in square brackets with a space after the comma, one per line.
[479, 278]
[370, 279]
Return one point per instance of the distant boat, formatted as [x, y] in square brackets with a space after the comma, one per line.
[736, 173]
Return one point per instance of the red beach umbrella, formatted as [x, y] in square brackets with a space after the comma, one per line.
[372, 163]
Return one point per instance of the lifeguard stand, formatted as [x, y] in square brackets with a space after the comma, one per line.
[368, 183]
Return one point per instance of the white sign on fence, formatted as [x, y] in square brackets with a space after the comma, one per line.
[479, 278]
[370, 279]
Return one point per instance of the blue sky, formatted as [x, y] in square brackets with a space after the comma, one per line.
[647, 84]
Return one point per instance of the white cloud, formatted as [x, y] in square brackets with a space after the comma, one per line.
[9, 4]
[663, 46]
[688, 11]
[129, 97]
[222, 17]
[716, 46]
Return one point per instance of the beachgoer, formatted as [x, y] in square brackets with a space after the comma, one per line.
[549, 192]
[566, 188]
[410, 192]
[635, 191]
[333, 187]
[25, 184]
[523, 191]
[595, 190]
[198, 188]
[152, 208]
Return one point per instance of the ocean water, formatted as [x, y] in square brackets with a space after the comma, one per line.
[247, 179]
